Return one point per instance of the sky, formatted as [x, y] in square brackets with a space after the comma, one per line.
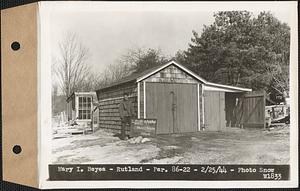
[109, 30]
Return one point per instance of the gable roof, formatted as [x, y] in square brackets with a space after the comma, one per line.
[166, 65]
[137, 77]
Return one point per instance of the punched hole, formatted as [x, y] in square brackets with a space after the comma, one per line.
[15, 46]
[17, 149]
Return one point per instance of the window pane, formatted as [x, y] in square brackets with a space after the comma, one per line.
[80, 102]
[84, 109]
[80, 114]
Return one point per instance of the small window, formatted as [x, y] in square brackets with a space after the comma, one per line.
[84, 110]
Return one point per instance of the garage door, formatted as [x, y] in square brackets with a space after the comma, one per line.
[173, 105]
[214, 110]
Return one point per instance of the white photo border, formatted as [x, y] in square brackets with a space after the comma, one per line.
[44, 94]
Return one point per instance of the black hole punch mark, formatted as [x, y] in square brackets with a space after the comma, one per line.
[17, 149]
[15, 46]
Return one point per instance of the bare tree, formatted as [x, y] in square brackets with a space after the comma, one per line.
[140, 59]
[134, 60]
[70, 65]
[121, 68]
[118, 71]
[132, 56]
[92, 82]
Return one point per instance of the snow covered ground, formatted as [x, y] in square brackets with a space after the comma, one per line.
[235, 146]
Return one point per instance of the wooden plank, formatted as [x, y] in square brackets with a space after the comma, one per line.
[198, 106]
[217, 106]
[186, 108]
[144, 87]
[222, 111]
[254, 109]
[139, 99]
[114, 106]
[159, 106]
[160, 98]
[110, 119]
[263, 109]
[114, 100]
[214, 110]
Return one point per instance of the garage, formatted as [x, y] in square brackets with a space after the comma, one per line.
[173, 106]
[180, 100]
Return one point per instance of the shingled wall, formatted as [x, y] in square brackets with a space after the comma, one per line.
[109, 100]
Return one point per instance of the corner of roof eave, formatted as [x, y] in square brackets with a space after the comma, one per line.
[229, 87]
[146, 75]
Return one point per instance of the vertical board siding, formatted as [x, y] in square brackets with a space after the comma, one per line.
[186, 108]
[161, 96]
[142, 100]
[222, 111]
[254, 109]
[76, 107]
[145, 97]
[139, 99]
[214, 110]
[159, 106]
[198, 107]
[201, 104]
[201, 108]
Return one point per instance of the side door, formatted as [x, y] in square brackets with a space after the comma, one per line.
[214, 110]
[186, 110]
[251, 110]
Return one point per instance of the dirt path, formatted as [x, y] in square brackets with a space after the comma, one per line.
[237, 146]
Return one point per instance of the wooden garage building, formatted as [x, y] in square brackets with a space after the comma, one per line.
[179, 99]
